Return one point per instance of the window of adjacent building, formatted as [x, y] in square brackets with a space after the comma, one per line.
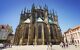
[78, 41]
[75, 42]
[74, 35]
[79, 34]
[2, 27]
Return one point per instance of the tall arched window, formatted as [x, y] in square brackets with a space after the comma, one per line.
[34, 33]
[27, 30]
[51, 31]
[46, 31]
[39, 31]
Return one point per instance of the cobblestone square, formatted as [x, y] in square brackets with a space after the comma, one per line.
[42, 47]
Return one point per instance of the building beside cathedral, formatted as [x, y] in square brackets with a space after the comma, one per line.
[72, 35]
[37, 26]
[5, 30]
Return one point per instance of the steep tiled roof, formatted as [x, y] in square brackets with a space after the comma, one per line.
[27, 21]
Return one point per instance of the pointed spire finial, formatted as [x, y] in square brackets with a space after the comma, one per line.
[25, 10]
[22, 11]
[50, 12]
[56, 13]
[45, 7]
[29, 11]
[33, 5]
[53, 13]
[40, 7]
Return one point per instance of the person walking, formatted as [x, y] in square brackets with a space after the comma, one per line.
[47, 46]
[51, 46]
[66, 44]
[61, 44]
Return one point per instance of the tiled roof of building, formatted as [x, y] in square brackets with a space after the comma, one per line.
[72, 29]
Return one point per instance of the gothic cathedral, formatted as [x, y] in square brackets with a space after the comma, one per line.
[38, 26]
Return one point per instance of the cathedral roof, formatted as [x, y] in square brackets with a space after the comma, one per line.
[27, 21]
[39, 20]
[50, 20]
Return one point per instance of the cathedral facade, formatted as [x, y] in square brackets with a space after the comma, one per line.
[38, 26]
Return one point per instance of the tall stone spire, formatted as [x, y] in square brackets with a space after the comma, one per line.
[53, 13]
[24, 10]
[40, 7]
[50, 12]
[55, 17]
[33, 13]
[27, 11]
[33, 6]
[45, 7]
[56, 13]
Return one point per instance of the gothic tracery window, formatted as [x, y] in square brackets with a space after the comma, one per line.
[51, 31]
[27, 31]
[39, 31]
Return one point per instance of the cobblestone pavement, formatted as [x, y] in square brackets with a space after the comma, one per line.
[42, 47]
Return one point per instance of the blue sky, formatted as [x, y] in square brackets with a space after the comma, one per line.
[68, 11]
